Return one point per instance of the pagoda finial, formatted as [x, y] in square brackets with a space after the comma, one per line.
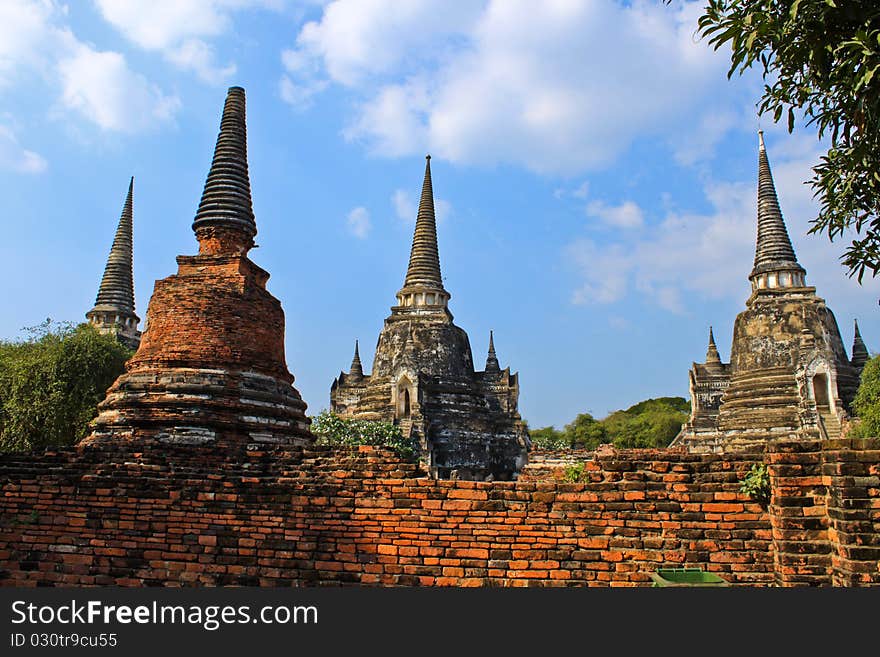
[224, 223]
[117, 284]
[492, 360]
[712, 356]
[356, 370]
[114, 305]
[424, 259]
[859, 350]
[775, 262]
[423, 289]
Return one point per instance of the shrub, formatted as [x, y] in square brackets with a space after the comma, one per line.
[866, 404]
[51, 384]
[330, 429]
[756, 484]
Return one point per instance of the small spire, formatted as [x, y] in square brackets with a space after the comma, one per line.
[492, 360]
[117, 285]
[226, 201]
[356, 369]
[712, 356]
[773, 250]
[859, 350]
[424, 259]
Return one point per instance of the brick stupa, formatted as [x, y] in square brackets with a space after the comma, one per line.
[210, 369]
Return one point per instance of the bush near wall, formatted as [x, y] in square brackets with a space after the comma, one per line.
[51, 384]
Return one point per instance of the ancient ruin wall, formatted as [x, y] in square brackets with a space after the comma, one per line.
[175, 516]
[825, 512]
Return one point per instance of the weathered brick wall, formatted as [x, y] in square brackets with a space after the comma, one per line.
[851, 470]
[179, 516]
[551, 464]
[825, 512]
[798, 514]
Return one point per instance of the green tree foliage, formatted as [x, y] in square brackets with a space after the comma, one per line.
[51, 384]
[330, 429]
[867, 402]
[821, 61]
[585, 431]
[650, 423]
[548, 438]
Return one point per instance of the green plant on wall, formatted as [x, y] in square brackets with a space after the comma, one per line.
[756, 484]
[574, 473]
[331, 429]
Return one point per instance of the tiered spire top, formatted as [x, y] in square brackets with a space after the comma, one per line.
[356, 369]
[117, 285]
[424, 259]
[226, 201]
[859, 350]
[492, 360]
[773, 250]
[712, 356]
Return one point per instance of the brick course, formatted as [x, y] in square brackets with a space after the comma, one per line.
[177, 516]
[172, 516]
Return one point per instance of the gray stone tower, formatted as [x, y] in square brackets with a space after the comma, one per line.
[789, 375]
[423, 379]
[113, 312]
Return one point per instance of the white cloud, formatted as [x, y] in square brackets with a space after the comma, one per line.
[197, 56]
[25, 35]
[606, 271]
[101, 87]
[698, 144]
[359, 39]
[297, 94]
[406, 208]
[358, 222]
[626, 215]
[692, 257]
[15, 158]
[582, 191]
[179, 29]
[404, 205]
[442, 209]
[510, 80]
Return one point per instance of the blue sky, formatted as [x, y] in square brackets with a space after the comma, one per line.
[594, 171]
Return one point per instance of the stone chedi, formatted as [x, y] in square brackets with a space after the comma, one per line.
[789, 375]
[423, 379]
[707, 383]
[113, 312]
[210, 368]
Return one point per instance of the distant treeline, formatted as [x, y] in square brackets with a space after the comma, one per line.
[650, 423]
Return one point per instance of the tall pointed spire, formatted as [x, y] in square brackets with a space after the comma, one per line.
[492, 360]
[424, 259]
[356, 369]
[773, 251]
[117, 285]
[859, 350]
[224, 223]
[712, 356]
[114, 306]
[423, 290]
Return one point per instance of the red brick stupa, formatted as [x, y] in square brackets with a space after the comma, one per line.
[210, 369]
